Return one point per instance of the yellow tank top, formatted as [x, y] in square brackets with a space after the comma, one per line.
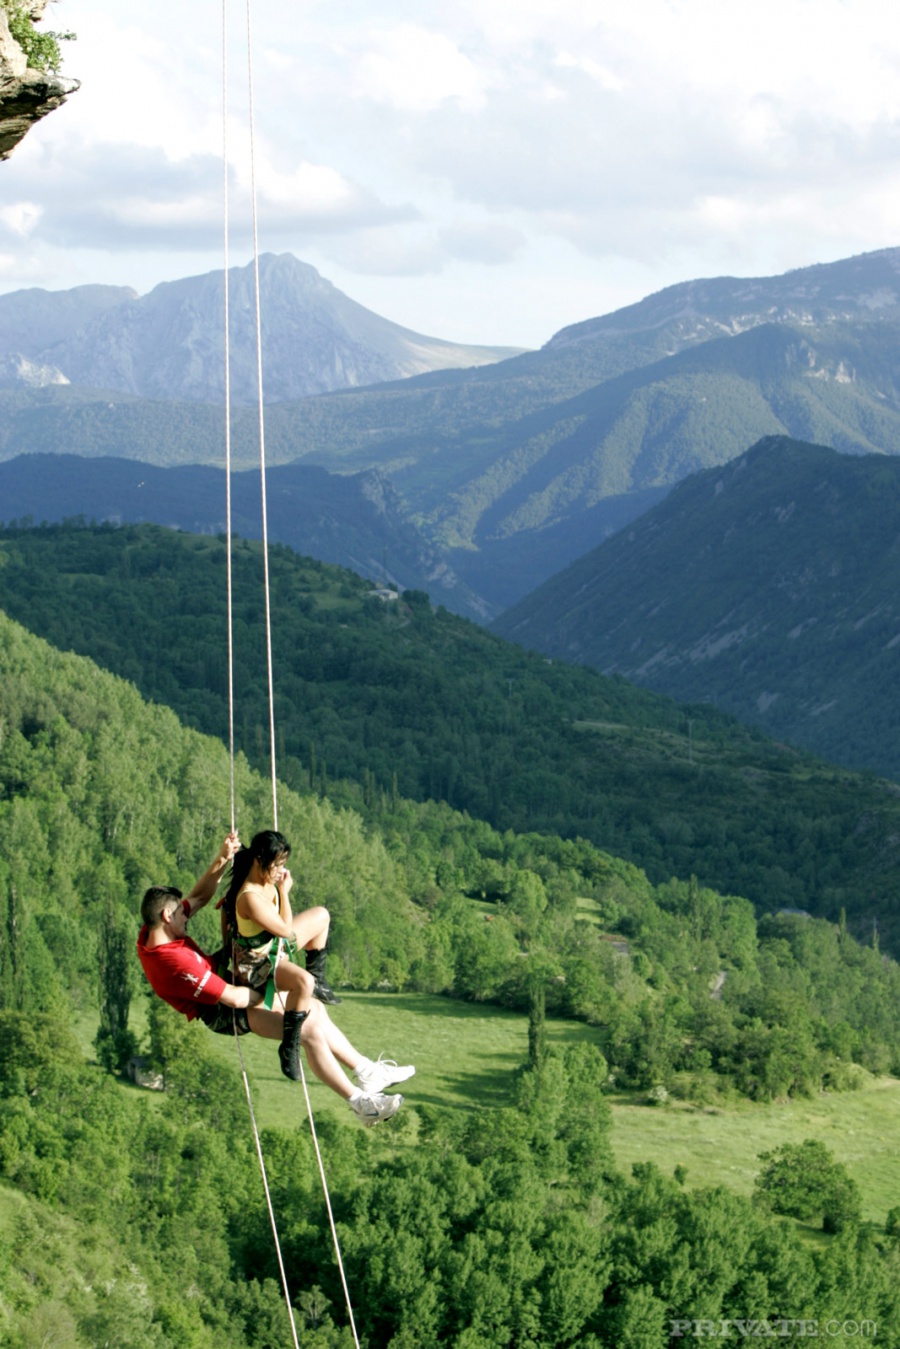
[246, 926]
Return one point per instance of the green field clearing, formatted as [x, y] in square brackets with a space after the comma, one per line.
[721, 1146]
[466, 1054]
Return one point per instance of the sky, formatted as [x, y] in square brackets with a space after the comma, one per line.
[486, 171]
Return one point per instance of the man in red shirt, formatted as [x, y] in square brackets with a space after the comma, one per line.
[186, 978]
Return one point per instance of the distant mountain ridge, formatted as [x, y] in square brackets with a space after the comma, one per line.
[170, 343]
[354, 520]
[32, 320]
[769, 587]
[513, 470]
[858, 287]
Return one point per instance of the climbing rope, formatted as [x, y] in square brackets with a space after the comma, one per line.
[230, 596]
[261, 418]
[229, 584]
[268, 615]
[265, 1181]
[331, 1224]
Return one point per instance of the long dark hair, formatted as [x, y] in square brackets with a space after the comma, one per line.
[265, 847]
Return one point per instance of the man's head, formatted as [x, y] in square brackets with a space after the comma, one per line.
[160, 905]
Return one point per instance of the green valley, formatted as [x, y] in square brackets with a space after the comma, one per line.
[385, 699]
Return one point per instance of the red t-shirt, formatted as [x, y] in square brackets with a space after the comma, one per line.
[180, 973]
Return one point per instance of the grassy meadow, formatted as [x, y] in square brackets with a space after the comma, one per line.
[466, 1054]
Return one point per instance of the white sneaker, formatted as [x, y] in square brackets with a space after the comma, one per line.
[370, 1109]
[374, 1077]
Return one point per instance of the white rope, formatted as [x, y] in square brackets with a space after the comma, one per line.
[227, 412]
[269, 661]
[237, 1040]
[321, 1166]
[262, 428]
[265, 1180]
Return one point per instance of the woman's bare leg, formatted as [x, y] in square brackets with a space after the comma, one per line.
[311, 928]
[290, 977]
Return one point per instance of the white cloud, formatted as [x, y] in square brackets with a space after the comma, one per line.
[21, 217]
[389, 253]
[606, 79]
[416, 70]
[466, 143]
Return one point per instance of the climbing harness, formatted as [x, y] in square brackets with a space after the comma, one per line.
[269, 661]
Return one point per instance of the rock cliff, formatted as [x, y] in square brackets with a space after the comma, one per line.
[26, 94]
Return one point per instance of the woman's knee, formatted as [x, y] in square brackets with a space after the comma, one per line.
[290, 976]
[312, 925]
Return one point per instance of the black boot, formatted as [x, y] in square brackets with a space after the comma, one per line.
[289, 1049]
[315, 964]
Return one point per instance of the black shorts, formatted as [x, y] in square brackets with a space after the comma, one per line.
[215, 1016]
[224, 1020]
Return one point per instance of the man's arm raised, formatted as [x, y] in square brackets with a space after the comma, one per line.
[205, 888]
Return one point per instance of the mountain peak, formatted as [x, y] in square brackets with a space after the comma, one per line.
[169, 344]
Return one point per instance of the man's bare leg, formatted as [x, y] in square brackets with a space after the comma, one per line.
[338, 1043]
[326, 1048]
[312, 1037]
[371, 1077]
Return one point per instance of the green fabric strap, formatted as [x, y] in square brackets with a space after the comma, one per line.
[271, 990]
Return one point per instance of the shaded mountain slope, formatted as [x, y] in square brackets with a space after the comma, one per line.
[770, 587]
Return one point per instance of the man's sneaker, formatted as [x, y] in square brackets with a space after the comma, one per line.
[374, 1077]
[370, 1109]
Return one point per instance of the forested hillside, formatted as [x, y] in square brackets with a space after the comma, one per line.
[767, 587]
[384, 699]
[134, 1221]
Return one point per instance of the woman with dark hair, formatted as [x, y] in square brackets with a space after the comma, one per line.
[257, 919]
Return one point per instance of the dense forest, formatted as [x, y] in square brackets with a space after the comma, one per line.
[137, 1219]
[381, 700]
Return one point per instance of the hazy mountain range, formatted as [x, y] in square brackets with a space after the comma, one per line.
[170, 344]
[515, 469]
[355, 520]
[769, 587]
